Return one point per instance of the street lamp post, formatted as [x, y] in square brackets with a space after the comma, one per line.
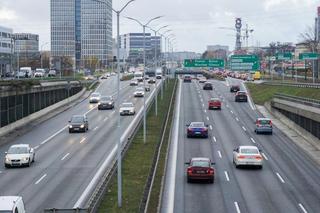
[41, 52]
[118, 12]
[144, 67]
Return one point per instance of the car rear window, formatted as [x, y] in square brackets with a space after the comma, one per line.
[249, 151]
[200, 163]
[196, 125]
[264, 122]
[242, 93]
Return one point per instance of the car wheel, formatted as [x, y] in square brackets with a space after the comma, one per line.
[260, 167]
[188, 180]
[70, 131]
[271, 133]
[33, 158]
[211, 180]
[7, 165]
[29, 163]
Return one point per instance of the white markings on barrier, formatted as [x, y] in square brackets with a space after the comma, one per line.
[64, 157]
[38, 181]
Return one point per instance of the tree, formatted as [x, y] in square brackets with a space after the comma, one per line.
[91, 63]
[310, 39]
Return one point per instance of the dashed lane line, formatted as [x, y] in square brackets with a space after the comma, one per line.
[219, 153]
[302, 208]
[237, 207]
[83, 139]
[253, 141]
[227, 176]
[265, 157]
[280, 178]
[38, 181]
[64, 157]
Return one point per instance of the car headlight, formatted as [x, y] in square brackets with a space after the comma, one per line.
[82, 126]
[99, 103]
[70, 126]
[25, 159]
[7, 159]
[110, 103]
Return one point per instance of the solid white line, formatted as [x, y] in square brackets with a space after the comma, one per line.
[227, 176]
[253, 141]
[64, 157]
[38, 181]
[227, 106]
[106, 118]
[214, 138]
[302, 208]
[96, 128]
[210, 127]
[36, 147]
[244, 129]
[52, 136]
[0, 172]
[231, 111]
[202, 105]
[265, 157]
[219, 153]
[207, 118]
[237, 207]
[83, 139]
[279, 176]
[237, 118]
[113, 112]
[201, 100]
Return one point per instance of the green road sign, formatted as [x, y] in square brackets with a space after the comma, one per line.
[214, 63]
[244, 62]
[284, 56]
[308, 56]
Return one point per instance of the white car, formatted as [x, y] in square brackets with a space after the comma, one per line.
[139, 92]
[39, 73]
[127, 109]
[134, 82]
[247, 156]
[52, 73]
[202, 80]
[95, 97]
[12, 204]
[19, 155]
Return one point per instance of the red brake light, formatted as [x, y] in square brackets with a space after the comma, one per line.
[258, 157]
[241, 157]
[270, 123]
[210, 171]
[189, 170]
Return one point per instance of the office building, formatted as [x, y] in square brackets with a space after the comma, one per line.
[6, 50]
[81, 32]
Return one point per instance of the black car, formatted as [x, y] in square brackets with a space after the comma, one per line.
[207, 86]
[241, 96]
[147, 88]
[234, 88]
[78, 123]
[106, 102]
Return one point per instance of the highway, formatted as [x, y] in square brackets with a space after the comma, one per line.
[288, 182]
[65, 163]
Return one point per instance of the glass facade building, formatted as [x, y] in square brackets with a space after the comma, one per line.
[6, 50]
[82, 30]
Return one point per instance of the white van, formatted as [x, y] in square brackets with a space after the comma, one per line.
[138, 76]
[12, 204]
[158, 73]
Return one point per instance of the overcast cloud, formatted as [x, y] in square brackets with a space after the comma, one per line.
[195, 23]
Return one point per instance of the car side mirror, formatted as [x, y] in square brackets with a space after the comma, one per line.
[69, 121]
[6, 153]
[187, 125]
[187, 163]
[235, 150]
[207, 125]
[213, 163]
[260, 150]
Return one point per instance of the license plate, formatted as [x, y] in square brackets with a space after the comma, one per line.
[200, 172]
[198, 133]
[76, 128]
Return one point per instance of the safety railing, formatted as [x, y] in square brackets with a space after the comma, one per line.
[297, 99]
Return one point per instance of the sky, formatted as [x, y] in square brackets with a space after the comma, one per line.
[195, 24]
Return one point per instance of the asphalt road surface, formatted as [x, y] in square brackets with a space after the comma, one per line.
[288, 182]
[65, 163]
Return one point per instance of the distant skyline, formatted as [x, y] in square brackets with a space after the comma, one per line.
[195, 23]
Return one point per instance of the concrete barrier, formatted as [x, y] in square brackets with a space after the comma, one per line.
[24, 121]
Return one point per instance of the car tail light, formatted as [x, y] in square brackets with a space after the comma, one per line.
[210, 171]
[258, 157]
[270, 123]
[189, 129]
[241, 157]
[189, 170]
[204, 129]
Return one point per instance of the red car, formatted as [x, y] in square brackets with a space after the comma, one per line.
[200, 169]
[214, 103]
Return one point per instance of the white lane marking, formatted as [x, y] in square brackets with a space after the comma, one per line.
[83, 139]
[38, 181]
[210, 127]
[237, 118]
[244, 129]
[237, 207]
[36, 147]
[90, 110]
[265, 157]
[279, 176]
[95, 128]
[302, 208]
[0, 172]
[106, 118]
[253, 141]
[219, 153]
[227, 106]
[54, 135]
[113, 112]
[249, 98]
[207, 118]
[205, 111]
[214, 138]
[202, 105]
[231, 111]
[227, 176]
[64, 157]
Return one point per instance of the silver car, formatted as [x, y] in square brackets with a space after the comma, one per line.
[263, 125]
[247, 156]
[19, 155]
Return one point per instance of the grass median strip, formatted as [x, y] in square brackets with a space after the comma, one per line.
[138, 160]
[262, 93]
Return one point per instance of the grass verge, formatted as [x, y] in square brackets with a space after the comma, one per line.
[138, 161]
[262, 93]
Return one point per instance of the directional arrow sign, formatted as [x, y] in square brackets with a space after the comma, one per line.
[308, 56]
[244, 62]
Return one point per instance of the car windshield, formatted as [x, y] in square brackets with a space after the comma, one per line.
[197, 124]
[139, 89]
[127, 105]
[77, 119]
[106, 99]
[249, 151]
[18, 150]
[200, 163]
[95, 95]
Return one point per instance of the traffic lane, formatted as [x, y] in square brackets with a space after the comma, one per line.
[290, 162]
[256, 185]
[95, 151]
[194, 197]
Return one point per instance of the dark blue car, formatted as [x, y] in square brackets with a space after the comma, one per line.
[197, 129]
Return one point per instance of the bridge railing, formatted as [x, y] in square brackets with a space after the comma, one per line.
[297, 99]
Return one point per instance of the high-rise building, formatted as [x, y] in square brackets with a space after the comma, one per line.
[6, 50]
[81, 32]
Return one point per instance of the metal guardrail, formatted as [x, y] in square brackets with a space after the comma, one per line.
[297, 99]
[301, 85]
